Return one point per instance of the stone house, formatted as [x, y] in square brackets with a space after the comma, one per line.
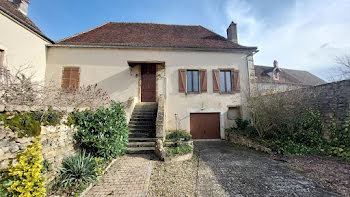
[186, 77]
[22, 44]
[275, 79]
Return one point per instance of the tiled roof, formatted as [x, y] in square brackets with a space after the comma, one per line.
[152, 35]
[10, 9]
[287, 76]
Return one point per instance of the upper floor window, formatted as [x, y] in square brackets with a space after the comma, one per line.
[225, 81]
[192, 80]
[70, 78]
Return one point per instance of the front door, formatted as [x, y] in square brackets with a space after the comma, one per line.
[148, 83]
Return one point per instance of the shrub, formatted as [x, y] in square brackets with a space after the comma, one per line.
[49, 118]
[23, 124]
[102, 133]
[177, 135]
[4, 182]
[25, 176]
[79, 170]
[180, 149]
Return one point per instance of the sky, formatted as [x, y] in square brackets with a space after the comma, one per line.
[299, 34]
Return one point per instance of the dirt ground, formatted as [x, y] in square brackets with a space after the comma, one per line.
[325, 170]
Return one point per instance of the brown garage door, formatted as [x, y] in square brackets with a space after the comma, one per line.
[205, 125]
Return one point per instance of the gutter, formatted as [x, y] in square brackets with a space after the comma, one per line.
[150, 47]
[26, 24]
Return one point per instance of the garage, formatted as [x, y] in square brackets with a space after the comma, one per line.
[205, 125]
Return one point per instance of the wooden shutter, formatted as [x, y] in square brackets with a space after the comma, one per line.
[235, 80]
[203, 80]
[216, 80]
[182, 80]
[70, 78]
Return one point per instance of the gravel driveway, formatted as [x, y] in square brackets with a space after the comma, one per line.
[225, 170]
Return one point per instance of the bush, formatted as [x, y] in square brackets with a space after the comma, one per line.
[79, 170]
[177, 135]
[22, 124]
[25, 176]
[49, 118]
[102, 133]
[180, 149]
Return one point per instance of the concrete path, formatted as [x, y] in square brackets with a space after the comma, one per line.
[225, 170]
[129, 176]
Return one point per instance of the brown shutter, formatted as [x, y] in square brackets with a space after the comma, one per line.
[203, 80]
[182, 80]
[70, 78]
[235, 80]
[216, 80]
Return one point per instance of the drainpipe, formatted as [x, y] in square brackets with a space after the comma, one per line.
[249, 54]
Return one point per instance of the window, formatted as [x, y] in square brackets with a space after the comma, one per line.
[192, 77]
[70, 78]
[225, 81]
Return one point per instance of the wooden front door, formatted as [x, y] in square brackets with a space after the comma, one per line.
[205, 125]
[148, 83]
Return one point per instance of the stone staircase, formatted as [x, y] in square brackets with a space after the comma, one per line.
[142, 129]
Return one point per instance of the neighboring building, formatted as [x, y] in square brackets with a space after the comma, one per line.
[22, 44]
[275, 79]
[202, 75]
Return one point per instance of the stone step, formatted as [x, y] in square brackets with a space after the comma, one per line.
[141, 150]
[143, 116]
[142, 126]
[152, 109]
[148, 139]
[139, 135]
[141, 144]
[139, 122]
[143, 119]
[136, 113]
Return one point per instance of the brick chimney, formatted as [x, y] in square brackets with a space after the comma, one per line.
[22, 5]
[232, 32]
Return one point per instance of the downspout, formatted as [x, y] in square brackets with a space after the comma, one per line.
[249, 54]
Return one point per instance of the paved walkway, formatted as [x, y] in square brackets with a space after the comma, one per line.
[233, 171]
[129, 176]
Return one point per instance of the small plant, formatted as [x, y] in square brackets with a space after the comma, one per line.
[177, 135]
[102, 133]
[25, 176]
[4, 183]
[79, 170]
[47, 166]
[180, 149]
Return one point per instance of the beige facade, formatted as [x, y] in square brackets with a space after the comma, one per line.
[109, 68]
[22, 47]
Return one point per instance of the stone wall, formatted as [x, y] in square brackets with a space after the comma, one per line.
[241, 140]
[331, 99]
[57, 143]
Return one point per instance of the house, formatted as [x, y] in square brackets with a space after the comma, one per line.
[276, 79]
[22, 44]
[200, 75]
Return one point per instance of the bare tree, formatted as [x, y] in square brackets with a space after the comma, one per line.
[343, 67]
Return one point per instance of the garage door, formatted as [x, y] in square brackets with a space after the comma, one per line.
[205, 125]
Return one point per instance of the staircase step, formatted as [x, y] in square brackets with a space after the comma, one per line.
[141, 150]
[144, 113]
[144, 116]
[141, 144]
[133, 122]
[142, 126]
[142, 139]
[139, 135]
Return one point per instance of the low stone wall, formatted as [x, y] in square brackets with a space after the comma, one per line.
[57, 143]
[244, 141]
[160, 121]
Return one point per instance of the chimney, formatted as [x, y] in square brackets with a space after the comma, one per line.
[22, 5]
[232, 32]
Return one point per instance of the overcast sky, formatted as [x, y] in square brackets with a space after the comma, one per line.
[300, 34]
